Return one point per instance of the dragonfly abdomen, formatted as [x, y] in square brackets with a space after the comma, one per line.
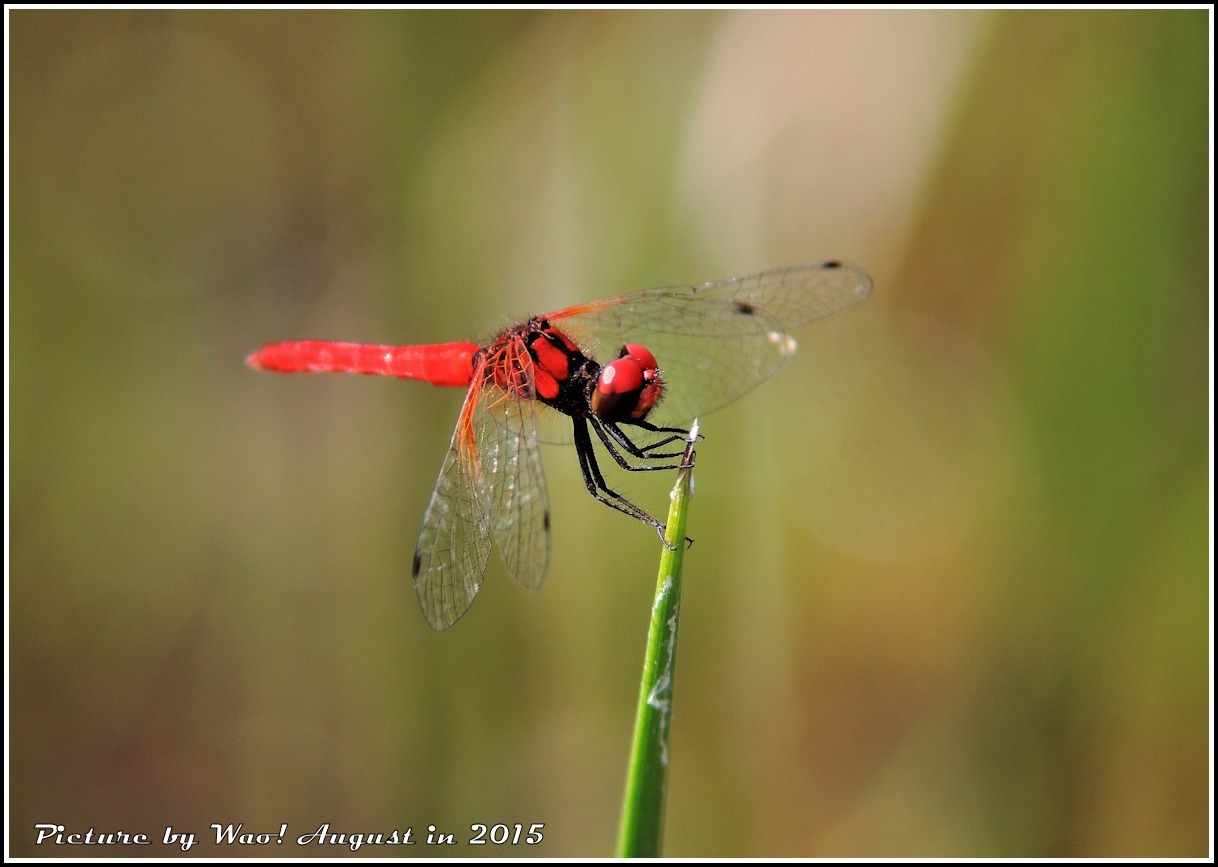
[444, 364]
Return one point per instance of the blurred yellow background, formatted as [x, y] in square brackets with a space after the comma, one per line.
[950, 590]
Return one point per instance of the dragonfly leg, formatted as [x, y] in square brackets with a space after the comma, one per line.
[648, 451]
[596, 482]
[680, 434]
[614, 438]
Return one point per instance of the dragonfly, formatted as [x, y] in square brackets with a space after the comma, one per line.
[666, 355]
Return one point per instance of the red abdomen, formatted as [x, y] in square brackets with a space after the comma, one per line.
[438, 363]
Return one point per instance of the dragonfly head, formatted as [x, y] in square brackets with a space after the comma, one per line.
[629, 388]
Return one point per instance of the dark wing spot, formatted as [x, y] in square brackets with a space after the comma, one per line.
[414, 566]
[832, 263]
[744, 308]
[545, 519]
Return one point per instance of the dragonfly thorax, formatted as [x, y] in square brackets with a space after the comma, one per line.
[623, 391]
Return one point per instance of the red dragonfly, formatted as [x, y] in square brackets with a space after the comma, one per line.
[711, 344]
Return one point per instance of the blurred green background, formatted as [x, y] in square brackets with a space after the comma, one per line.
[950, 592]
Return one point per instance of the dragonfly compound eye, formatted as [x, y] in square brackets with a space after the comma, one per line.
[642, 355]
[628, 389]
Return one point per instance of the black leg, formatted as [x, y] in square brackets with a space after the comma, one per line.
[596, 482]
[681, 433]
[610, 433]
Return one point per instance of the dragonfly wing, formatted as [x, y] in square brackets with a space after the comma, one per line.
[702, 375]
[520, 511]
[784, 298]
[509, 445]
[455, 542]
[716, 341]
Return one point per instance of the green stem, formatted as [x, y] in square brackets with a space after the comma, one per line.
[646, 779]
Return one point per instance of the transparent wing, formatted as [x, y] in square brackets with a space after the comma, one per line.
[716, 341]
[491, 486]
[455, 542]
[508, 443]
